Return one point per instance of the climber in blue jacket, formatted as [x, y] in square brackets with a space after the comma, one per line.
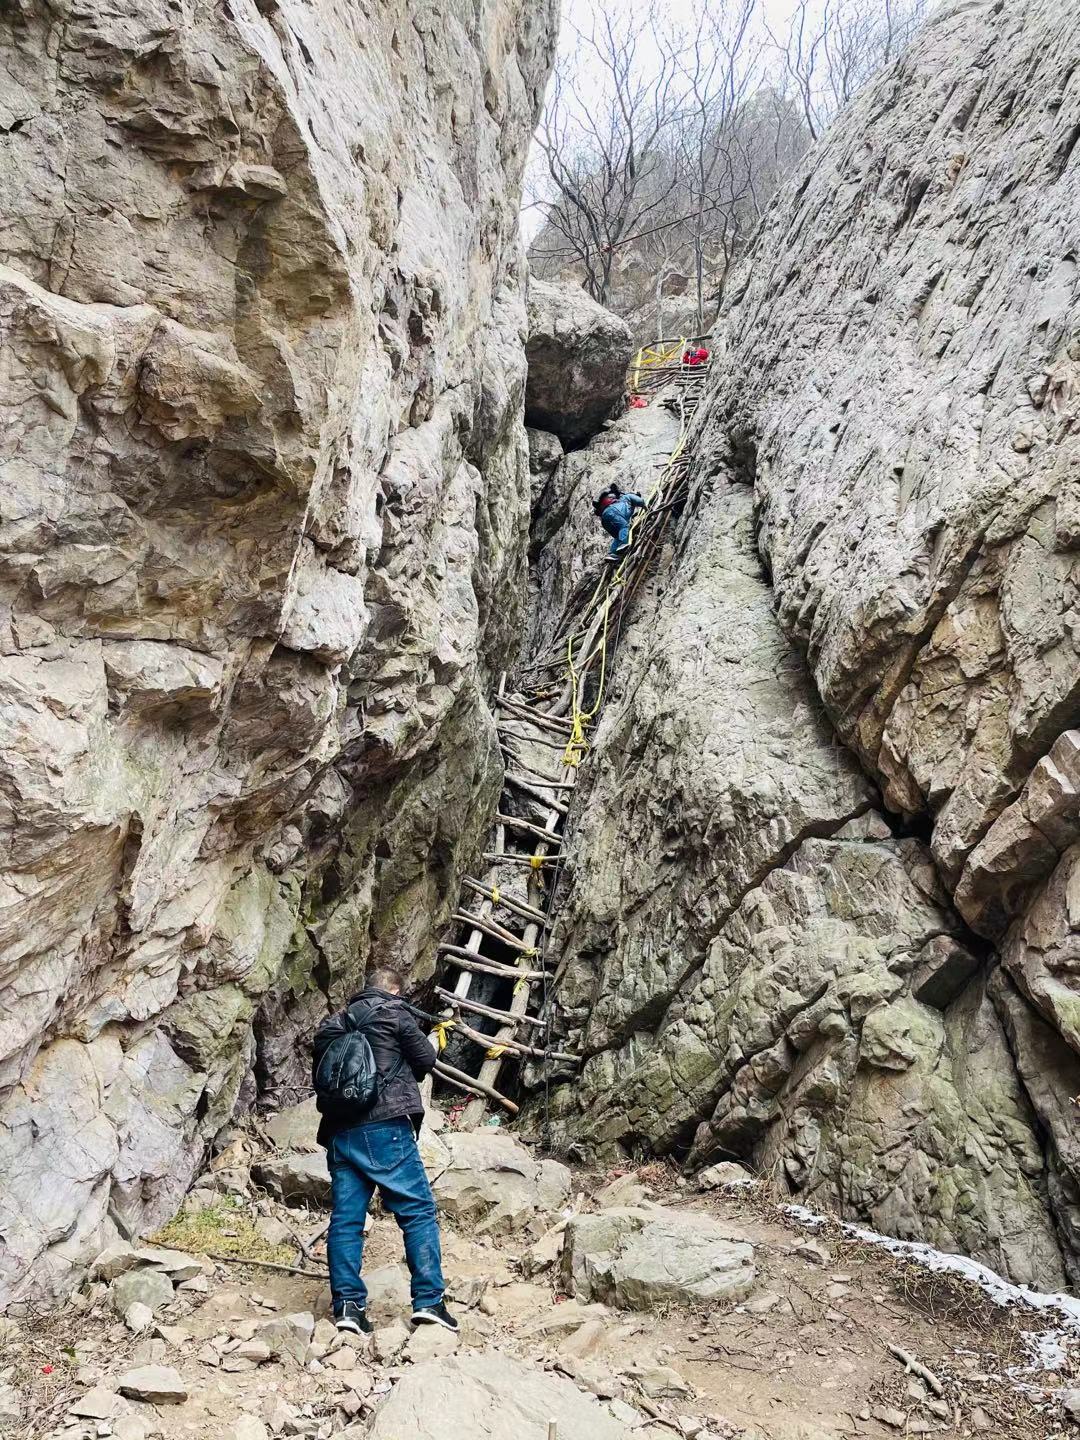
[616, 509]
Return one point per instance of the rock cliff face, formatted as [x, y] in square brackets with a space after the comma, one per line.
[263, 526]
[823, 913]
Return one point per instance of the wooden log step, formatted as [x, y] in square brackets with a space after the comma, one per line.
[492, 928]
[462, 1081]
[534, 717]
[534, 791]
[490, 1042]
[520, 907]
[516, 824]
[458, 1003]
[514, 758]
[467, 960]
[540, 783]
[507, 857]
[530, 739]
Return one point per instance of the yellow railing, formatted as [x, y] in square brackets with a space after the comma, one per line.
[651, 357]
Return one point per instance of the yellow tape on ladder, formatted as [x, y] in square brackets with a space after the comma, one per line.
[496, 1051]
[441, 1033]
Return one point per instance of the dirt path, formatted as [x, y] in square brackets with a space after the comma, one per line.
[804, 1357]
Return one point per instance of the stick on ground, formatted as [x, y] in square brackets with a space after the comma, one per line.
[916, 1367]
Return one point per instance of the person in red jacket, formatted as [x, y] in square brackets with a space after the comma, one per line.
[615, 510]
[695, 355]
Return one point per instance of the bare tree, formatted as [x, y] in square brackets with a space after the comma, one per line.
[833, 47]
[717, 68]
[658, 150]
[602, 136]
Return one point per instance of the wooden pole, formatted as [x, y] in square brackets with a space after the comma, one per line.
[470, 1082]
[464, 960]
[542, 831]
[534, 717]
[530, 739]
[496, 931]
[490, 1042]
[535, 792]
[529, 912]
[533, 778]
[507, 857]
[476, 1008]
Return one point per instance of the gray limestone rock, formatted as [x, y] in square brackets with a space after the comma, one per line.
[578, 353]
[150, 1288]
[11, 1405]
[726, 1172]
[295, 1128]
[266, 496]
[836, 738]
[288, 1335]
[923, 558]
[301, 1178]
[494, 1182]
[489, 1396]
[98, 1403]
[641, 1259]
[160, 1384]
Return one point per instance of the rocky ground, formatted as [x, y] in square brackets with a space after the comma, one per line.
[614, 1305]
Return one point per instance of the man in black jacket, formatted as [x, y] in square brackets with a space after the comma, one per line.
[376, 1149]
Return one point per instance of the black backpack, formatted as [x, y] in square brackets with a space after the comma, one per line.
[344, 1071]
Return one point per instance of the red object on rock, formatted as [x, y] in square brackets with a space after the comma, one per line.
[696, 355]
[46, 1369]
[638, 402]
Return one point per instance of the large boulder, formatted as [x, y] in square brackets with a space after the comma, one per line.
[296, 1177]
[638, 1259]
[295, 1128]
[578, 354]
[756, 951]
[489, 1397]
[492, 1181]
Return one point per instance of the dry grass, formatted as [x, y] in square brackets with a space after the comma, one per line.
[221, 1229]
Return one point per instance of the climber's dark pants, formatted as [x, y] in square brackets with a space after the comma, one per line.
[386, 1157]
[618, 527]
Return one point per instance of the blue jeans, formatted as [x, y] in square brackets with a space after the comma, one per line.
[620, 529]
[383, 1156]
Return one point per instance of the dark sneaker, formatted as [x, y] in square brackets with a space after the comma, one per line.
[352, 1317]
[435, 1315]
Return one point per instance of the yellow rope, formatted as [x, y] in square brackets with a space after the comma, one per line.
[578, 743]
[441, 1033]
[650, 357]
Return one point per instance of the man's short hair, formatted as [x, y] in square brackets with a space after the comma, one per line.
[383, 977]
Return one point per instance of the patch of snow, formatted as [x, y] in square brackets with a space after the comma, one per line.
[1047, 1348]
